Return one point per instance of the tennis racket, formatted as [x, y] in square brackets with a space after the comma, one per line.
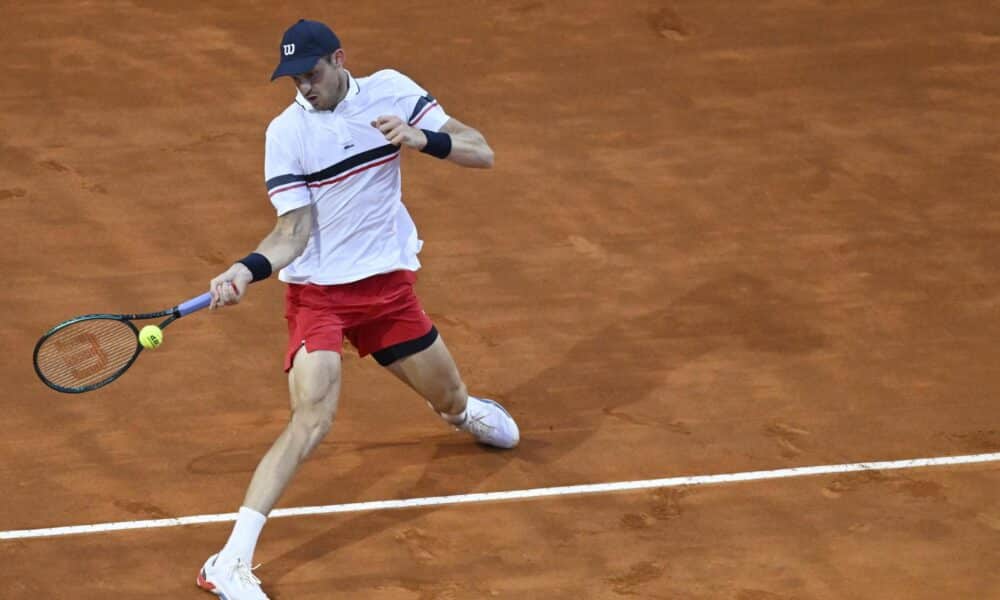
[90, 351]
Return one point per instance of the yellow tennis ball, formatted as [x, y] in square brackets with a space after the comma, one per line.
[150, 337]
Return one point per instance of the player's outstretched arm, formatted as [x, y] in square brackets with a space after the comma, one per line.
[279, 248]
[465, 146]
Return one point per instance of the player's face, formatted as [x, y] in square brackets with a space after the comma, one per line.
[323, 86]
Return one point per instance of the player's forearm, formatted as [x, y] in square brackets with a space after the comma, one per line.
[470, 149]
[285, 243]
[288, 238]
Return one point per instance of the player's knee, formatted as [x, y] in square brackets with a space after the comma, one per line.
[312, 418]
[318, 419]
[309, 428]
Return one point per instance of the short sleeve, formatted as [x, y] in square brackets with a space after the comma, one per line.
[417, 106]
[286, 179]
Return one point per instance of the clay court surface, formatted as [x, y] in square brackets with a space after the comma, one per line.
[720, 237]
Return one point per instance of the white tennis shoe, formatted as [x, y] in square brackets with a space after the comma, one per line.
[233, 580]
[490, 424]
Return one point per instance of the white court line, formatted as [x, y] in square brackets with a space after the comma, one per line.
[596, 488]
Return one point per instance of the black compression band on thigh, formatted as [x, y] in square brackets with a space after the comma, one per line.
[387, 356]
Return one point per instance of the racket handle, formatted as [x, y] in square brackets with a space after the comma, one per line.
[194, 304]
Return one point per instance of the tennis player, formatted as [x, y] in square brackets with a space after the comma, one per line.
[347, 248]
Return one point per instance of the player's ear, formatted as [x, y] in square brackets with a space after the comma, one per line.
[337, 58]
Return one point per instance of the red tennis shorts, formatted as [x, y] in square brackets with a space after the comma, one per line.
[374, 313]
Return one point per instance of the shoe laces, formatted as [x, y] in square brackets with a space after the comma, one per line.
[244, 573]
[477, 423]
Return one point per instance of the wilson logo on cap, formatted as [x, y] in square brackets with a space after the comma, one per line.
[288, 49]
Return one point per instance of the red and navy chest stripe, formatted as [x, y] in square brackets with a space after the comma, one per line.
[334, 173]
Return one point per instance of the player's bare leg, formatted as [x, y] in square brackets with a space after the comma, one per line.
[314, 386]
[432, 373]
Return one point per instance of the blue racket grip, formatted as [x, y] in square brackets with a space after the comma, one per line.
[194, 304]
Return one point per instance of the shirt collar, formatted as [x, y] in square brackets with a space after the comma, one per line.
[353, 89]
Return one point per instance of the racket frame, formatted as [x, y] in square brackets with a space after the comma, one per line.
[171, 314]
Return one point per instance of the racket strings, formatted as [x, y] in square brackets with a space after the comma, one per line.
[86, 352]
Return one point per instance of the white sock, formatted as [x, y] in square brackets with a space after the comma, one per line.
[460, 417]
[243, 539]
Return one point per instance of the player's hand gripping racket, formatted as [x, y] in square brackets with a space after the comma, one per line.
[90, 351]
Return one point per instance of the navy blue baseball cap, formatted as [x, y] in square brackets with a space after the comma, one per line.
[302, 45]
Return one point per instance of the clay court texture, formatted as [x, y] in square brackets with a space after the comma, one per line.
[720, 238]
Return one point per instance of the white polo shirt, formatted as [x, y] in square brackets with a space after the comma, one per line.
[335, 161]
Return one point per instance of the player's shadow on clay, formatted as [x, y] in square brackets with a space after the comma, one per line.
[353, 530]
[618, 365]
[623, 363]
